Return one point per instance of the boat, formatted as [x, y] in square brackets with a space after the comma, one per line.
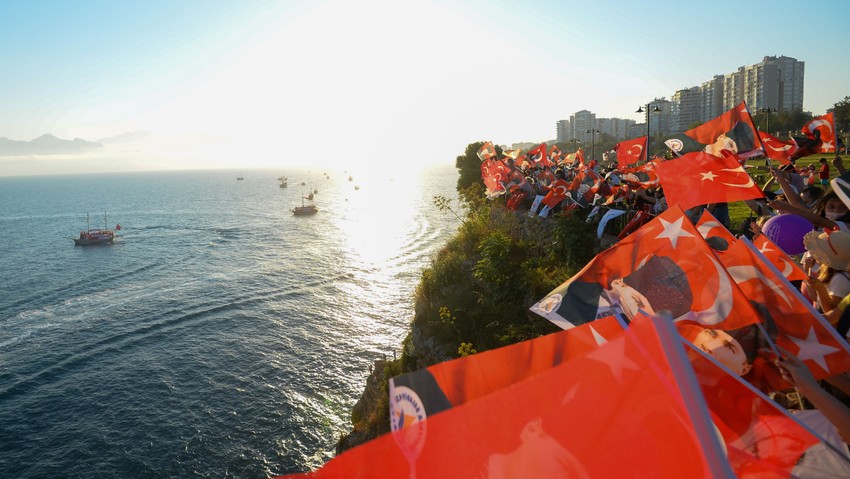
[95, 236]
[283, 181]
[240, 177]
[305, 209]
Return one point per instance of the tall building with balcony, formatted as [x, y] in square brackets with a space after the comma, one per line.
[686, 106]
[616, 127]
[712, 98]
[562, 130]
[581, 122]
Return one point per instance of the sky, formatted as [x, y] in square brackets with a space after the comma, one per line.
[372, 83]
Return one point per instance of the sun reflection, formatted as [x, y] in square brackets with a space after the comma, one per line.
[377, 222]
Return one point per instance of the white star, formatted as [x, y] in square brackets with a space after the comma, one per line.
[710, 176]
[827, 145]
[765, 248]
[614, 356]
[673, 231]
[810, 348]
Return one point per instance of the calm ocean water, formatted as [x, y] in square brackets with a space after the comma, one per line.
[220, 336]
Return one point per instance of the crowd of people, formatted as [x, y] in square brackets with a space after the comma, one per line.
[805, 192]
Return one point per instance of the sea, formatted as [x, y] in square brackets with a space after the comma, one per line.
[220, 335]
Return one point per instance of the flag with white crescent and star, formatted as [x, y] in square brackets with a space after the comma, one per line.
[826, 126]
[630, 152]
[777, 149]
[665, 265]
[700, 178]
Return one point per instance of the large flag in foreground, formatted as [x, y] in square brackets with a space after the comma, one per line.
[452, 383]
[822, 127]
[762, 439]
[700, 178]
[663, 266]
[633, 402]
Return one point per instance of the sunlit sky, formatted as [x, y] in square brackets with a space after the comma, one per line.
[376, 83]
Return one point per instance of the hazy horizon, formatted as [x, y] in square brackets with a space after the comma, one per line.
[270, 84]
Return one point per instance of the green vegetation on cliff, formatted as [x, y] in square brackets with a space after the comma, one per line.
[476, 293]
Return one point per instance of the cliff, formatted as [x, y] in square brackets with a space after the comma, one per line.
[476, 293]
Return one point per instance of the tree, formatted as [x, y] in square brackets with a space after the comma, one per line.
[841, 111]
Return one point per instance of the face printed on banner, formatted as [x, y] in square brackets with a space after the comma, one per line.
[724, 348]
[723, 142]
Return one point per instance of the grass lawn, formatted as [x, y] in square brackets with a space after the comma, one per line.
[739, 211]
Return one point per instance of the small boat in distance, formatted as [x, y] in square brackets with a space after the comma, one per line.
[240, 177]
[305, 209]
[96, 236]
[283, 181]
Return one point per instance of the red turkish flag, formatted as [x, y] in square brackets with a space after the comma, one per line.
[556, 194]
[555, 155]
[708, 132]
[630, 152]
[663, 266]
[453, 383]
[579, 158]
[799, 328]
[781, 261]
[708, 227]
[497, 173]
[825, 125]
[777, 149]
[699, 178]
[538, 156]
[761, 438]
[643, 176]
[632, 401]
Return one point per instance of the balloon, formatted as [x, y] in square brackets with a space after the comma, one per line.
[787, 231]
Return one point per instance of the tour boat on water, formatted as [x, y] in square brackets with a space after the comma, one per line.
[305, 209]
[96, 236]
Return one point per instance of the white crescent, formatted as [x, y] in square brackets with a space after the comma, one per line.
[719, 310]
[748, 184]
[640, 150]
[741, 274]
[816, 123]
[788, 268]
[784, 148]
[562, 188]
[706, 227]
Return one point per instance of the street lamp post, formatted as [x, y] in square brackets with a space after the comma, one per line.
[654, 110]
[593, 132]
[767, 111]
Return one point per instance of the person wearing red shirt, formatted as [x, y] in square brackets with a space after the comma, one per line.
[823, 173]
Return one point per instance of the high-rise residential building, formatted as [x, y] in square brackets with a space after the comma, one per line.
[662, 121]
[616, 127]
[778, 84]
[563, 131]
[580, 123]
[712, 98]
[775, 82]
[686, 106]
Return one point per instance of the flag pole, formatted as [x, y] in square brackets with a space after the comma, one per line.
[758, 135]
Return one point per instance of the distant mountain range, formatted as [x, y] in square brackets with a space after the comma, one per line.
[47, 145]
